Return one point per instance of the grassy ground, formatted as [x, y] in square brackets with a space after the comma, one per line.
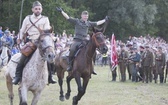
[100, 91]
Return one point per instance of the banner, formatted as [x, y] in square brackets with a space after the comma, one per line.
[114, 59]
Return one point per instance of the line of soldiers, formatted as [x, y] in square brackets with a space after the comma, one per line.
[143, 63]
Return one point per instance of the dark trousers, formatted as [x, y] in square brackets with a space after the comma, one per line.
[114, 74]
[51, 69]
[147, 74]
[19, 69]
[134, 74]
[122, 66]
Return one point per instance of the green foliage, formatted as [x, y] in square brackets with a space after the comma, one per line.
[128, 17]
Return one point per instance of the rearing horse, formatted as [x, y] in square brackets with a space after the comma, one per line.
[82, 66]
[35, 73]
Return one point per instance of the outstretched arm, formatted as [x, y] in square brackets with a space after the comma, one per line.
[63, 13]
[102, 21]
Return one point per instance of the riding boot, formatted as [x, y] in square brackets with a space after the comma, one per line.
[161, 79]
[70, 62]
[19, 69]
[93, 72]
[50, 69]
[113, 77]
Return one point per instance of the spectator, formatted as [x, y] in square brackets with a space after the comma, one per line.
[1, 32]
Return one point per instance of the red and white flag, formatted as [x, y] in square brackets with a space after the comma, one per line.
[114, 59]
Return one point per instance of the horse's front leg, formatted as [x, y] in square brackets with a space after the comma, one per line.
[23, 95]
[10, 88]
[60, 81]
[36, 97]
[68, 79]
[81, 89]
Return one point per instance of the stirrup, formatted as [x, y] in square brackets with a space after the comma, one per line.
[69, 68]
[52, 81]
[16, 80]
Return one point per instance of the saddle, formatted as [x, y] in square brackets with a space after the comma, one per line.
[28, 48]
[16, 58]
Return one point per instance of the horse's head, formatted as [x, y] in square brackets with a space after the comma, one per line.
[98, 39]
[4, 42]
[46, 46]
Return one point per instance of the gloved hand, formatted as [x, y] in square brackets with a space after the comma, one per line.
[107, 18]
[59, 9]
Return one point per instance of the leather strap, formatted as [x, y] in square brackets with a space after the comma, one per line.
[33, 24]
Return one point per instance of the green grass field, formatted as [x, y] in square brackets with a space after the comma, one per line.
[100, 91]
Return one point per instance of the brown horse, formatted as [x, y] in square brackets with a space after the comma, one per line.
[82, 65]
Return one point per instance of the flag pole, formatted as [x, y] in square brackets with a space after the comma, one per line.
[21, 11]
[20, 21]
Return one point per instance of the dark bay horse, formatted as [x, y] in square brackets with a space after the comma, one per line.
[82, 65]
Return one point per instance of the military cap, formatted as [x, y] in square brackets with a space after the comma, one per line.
[146, 46]
[36, 3]
[129, 45]
[142, 47]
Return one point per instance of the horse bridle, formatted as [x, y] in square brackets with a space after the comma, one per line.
[44, 49]
[96, 42]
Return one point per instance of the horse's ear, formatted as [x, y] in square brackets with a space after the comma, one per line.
[96, 29]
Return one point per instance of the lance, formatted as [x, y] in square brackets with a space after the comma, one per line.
[21, 11]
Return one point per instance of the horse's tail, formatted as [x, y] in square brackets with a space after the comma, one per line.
[9, 87]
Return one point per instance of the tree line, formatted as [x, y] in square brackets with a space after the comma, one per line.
[127, 17]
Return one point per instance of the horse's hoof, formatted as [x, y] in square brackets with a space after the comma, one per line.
[24, 103]
[74, 101]
[67, 95]
[61, 98]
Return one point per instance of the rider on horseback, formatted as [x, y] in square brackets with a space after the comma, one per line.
[81, 30]
[30, 26]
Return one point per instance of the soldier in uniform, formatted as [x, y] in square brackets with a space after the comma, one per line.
[122, 62]
[141, 71]
[160, 64]
[81, 30]
[130, 63]
[135, 66]
[147, 59]
[42, 22]
[129, 46]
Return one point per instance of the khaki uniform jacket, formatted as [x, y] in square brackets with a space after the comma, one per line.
[147, 59]
[33, 32]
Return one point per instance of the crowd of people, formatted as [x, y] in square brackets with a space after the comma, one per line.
[144, 58]
[9, 38]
